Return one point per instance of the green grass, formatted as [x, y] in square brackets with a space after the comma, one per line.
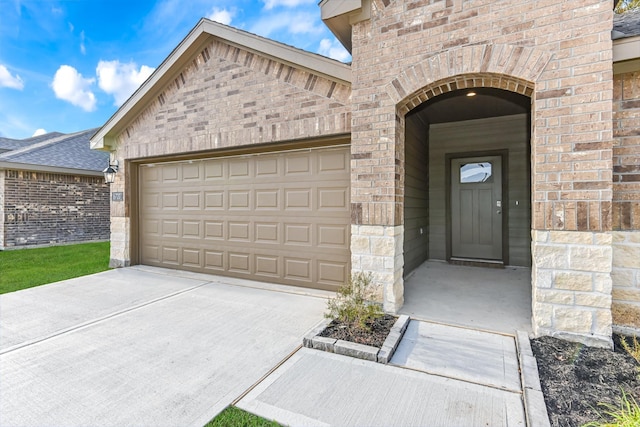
[26, 268]
[234, 417]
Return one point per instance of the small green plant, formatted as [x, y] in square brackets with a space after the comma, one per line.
[633, 349]
[353, 306]
[626, 415]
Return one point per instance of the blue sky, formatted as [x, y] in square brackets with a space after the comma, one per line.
[67, 65]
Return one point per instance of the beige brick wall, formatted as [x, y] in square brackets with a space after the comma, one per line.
[558, 52]
[626, 151]
[626, 201]
[226, 97]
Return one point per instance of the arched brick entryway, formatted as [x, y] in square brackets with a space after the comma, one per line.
[571, 249]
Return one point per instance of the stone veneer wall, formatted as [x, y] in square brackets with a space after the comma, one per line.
[572, 277]
[226, 97]
[626, 202]
[378, 250]
[45, 208]
[557, 53]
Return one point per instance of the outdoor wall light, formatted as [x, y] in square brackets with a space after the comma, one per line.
[110, 171]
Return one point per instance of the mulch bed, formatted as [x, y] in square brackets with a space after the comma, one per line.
[375, 337]
[575, 379]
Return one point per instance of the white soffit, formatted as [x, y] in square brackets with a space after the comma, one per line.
[626, 55]
[340, 15]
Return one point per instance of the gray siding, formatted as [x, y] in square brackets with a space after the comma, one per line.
[508, 132]
[416, 199]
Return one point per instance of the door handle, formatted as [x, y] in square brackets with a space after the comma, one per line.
[499, 212]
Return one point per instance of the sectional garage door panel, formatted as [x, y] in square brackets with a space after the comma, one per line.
[282, 217]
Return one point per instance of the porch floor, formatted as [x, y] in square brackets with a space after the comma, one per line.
[483, 298]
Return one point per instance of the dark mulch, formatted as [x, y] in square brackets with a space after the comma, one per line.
[375, 337]
[576, 378]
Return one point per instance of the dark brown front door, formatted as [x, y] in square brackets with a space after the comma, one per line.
[476, 208]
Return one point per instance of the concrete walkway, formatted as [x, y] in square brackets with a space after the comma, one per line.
[153, 347]
[439, 376]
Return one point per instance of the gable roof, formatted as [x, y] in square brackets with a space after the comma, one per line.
[190, 46]
[58, 153]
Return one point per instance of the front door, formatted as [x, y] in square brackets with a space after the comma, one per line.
[476, 208]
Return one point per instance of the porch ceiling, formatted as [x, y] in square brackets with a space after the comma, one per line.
[457, 106]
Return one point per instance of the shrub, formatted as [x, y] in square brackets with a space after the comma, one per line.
[352, 305]
[627, 415]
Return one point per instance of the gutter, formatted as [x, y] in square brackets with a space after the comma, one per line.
[50, 169]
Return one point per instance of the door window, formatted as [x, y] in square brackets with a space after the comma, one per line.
[475, 172]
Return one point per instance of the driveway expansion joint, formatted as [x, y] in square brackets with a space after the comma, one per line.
[91, 322]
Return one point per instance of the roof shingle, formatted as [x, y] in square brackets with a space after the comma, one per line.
[70, 151]
[626, 24]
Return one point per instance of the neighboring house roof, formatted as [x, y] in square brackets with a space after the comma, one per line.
[61, 153]
[191, 45]
[626, 41]
[626, 25]
[7, 144]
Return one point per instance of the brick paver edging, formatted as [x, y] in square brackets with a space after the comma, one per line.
[360, 351]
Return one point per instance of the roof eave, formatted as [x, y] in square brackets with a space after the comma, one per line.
[626, 48]
[104, 139]
[49, 169]
[340, 15]
[626, 55]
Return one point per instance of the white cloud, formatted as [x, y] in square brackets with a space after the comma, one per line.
[294, 23]
[333, 49]
[69, 85]
[39, 132]
[7, 80]
[223, 16]
[270, 4]
[121, 80]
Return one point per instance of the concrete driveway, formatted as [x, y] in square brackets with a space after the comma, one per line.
[143, 346]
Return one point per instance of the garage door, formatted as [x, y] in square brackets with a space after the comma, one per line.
[278, 217]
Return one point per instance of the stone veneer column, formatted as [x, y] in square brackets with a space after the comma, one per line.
[571, 276]
[626, 281]
[120, 219]
[377, 249]
[120, 253]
